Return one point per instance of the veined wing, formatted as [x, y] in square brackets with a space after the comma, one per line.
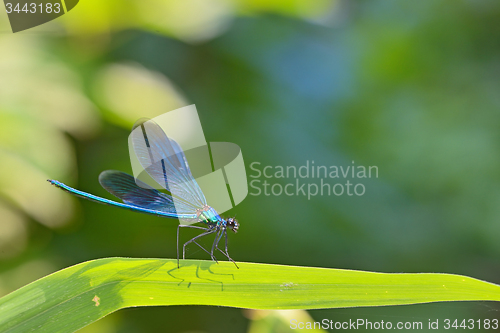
[164, 160]
[126, 187]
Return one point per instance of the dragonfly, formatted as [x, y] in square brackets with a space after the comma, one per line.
[180, 197]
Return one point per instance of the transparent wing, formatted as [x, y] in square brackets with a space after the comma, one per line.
[163, 159]
[124, 186]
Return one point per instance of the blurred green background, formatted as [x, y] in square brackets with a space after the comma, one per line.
[410, 87]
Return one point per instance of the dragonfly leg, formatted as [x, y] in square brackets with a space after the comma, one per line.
[216, 240]
[210, 231]
[186, 226]
[226, 253]
[202, 247]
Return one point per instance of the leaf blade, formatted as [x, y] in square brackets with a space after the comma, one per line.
[74, 297]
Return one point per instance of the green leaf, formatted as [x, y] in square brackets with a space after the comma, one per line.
[79, 295]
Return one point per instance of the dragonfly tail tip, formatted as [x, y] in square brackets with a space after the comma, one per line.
[52, 182]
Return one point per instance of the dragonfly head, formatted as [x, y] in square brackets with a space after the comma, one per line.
[232, 224]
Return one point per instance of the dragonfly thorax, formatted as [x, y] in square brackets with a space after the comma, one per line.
[209, 216]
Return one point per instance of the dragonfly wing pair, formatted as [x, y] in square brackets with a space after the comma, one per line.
[164, 161]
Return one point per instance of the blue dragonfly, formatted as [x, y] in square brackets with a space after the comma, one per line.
[164, 161]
